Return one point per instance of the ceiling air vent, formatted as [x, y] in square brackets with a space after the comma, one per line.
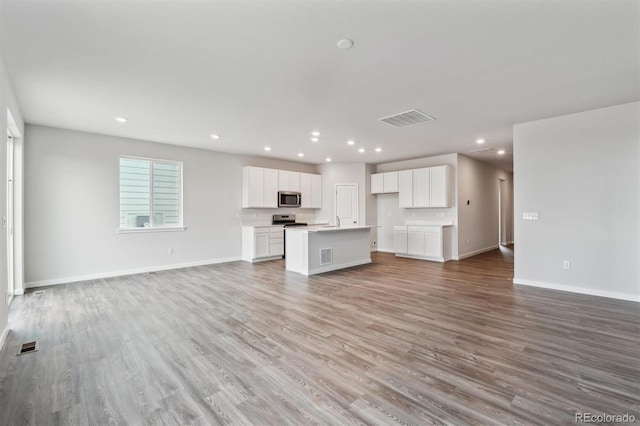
[483, 151]
[408, 118]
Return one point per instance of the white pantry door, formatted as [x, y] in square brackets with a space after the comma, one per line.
[347, 204]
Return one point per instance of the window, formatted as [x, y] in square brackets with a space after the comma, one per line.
[150, 194]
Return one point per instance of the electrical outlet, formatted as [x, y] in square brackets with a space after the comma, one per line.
[468, 242]
[530, 215]
[566, 264]
[170, 250]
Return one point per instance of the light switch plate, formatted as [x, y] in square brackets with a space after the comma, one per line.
[530, 215]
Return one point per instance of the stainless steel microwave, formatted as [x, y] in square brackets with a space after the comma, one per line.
[289, 199]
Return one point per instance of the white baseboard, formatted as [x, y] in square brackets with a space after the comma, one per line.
[335, 267]
[576, 289]
[386, 250]
[431, 259]
[476, 252]
[56, 281]
[3, 336]
[18, 292]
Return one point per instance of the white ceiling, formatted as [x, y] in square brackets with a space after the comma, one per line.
[269, 72]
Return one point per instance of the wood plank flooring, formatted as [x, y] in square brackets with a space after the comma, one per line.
[398, 341]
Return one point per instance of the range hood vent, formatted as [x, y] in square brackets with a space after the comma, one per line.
[408, 118]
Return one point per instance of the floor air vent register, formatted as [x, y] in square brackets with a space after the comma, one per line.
[326, 256]
[28, 347]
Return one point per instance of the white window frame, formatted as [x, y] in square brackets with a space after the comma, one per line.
[151, 228]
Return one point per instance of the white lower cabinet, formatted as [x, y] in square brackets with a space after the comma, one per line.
[400, 239]
[276, 241]
[415, 242]
[262, 243]
[423, 242]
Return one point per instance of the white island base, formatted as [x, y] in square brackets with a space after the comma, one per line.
[314, 250]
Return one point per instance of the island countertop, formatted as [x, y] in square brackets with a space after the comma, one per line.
[326, 228]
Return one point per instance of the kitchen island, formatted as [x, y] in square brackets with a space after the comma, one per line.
[317, 249]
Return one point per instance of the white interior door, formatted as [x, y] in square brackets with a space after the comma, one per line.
[8, 220]
[347, 205]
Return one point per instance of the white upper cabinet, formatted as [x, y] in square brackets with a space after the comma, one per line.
[311, 191]
[440, 186]
[377, 183]
[316, 191]
[390, 182]
[384, 183]
[405, 185]
[288, 181]
[259, 187]
[421, 187]
[426, 187]
[305, 190]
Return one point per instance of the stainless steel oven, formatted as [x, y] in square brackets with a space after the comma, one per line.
[288, 220]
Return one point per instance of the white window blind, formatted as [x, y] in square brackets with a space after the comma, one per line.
[150, 193]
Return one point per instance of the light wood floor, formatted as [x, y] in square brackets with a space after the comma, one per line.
[398, 341]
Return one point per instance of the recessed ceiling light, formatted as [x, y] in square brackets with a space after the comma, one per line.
[328, 159]
[345, 43]
[501, 152]
[378, 149]
[315, 133]
[267, 148]
[350, 142]
[479, 140]
[121, 119]
[360, 150]
[300, 154]
[314, 139]
[214, 136]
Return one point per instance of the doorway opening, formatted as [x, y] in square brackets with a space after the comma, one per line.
[8, 219]
[501, 240]
[12, 216]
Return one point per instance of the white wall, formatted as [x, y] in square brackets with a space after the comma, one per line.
[72, 200]
[478, 221]
[7, 100]
[581, 173]
[390, 215]
[335, 173]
